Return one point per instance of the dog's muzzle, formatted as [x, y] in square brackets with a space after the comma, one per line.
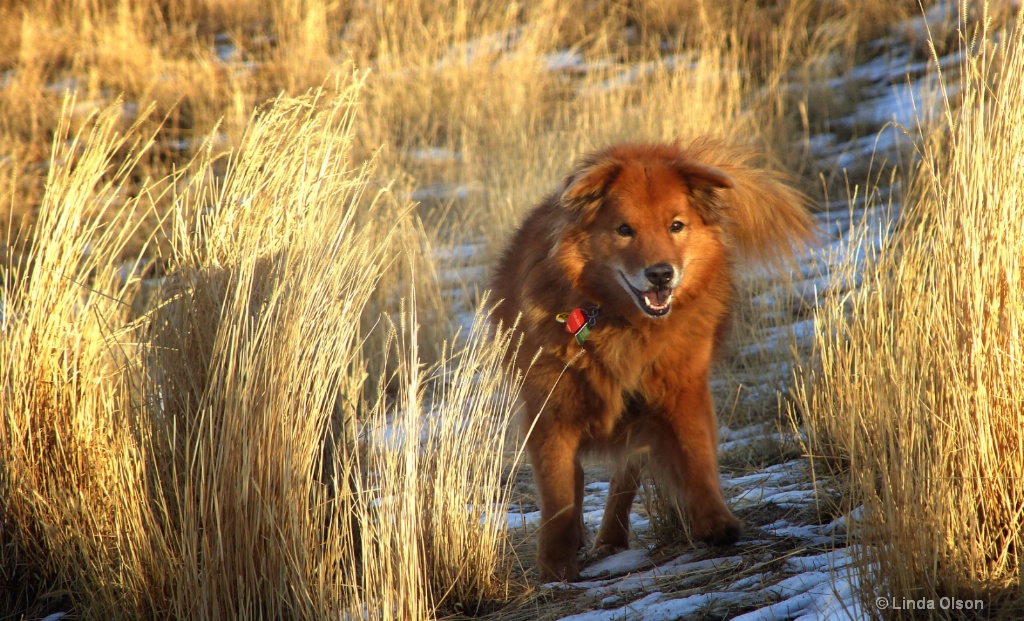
[655, 299]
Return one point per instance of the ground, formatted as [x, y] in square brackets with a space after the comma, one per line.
[793, 561]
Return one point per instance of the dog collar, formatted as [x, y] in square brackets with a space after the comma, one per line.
[578, 322]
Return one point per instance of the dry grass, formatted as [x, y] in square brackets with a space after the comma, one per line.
[234, 408]
[468, 77]
[71, 447]
[918, 394]
[457, 94]
[216, 457]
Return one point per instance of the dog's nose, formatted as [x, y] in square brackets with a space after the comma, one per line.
[659, 275]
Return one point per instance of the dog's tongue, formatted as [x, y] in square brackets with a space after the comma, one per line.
[658, 298]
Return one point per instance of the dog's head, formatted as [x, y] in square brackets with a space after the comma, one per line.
[648, 225]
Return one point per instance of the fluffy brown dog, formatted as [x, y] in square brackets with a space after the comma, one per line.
[642, 238]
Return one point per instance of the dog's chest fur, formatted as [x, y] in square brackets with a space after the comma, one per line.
[626, 354]
[616, 364]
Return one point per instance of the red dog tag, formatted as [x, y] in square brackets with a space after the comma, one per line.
[575, 321]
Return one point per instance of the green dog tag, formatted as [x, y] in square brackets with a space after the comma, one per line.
[582, 335]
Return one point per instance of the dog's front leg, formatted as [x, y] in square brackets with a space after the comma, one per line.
[692, 418]
[553, 454]
[613, 536]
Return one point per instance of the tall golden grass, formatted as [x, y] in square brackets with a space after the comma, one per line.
[215, 444]
[469, 82]
[216, 457]
[918, 393]
[73, 464]
[471, 77]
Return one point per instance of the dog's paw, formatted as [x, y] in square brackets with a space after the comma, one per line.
[581, 537]
[559, 570]
[602, 550]
[723, 530]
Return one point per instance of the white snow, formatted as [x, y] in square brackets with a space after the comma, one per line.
[621, 563]
[629, 611]
[563, 60]
[757, 478]
[825, 588]
[520, 520]
[435, 154]
[642, 581]
[821, 582]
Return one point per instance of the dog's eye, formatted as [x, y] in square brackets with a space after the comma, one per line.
[676, 226]
[625, 230]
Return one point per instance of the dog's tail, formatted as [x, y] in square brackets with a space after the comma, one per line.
[767, 219]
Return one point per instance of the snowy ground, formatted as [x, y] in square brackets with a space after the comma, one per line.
[812, 577]
[797, 564]
[793, 561]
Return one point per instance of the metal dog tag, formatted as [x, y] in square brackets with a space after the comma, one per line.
[582, 334]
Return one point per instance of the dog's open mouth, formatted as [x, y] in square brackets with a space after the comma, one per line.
[656, 302]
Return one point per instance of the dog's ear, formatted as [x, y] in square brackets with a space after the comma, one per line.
[704, 183]
[702, 175]
[589, 184]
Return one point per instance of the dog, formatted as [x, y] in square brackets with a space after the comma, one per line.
[622, 279]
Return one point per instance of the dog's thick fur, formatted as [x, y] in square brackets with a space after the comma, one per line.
[649, 234]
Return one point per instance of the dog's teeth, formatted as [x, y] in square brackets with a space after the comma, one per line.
[651, 300]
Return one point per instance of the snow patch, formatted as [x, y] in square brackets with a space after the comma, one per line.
[621, 563]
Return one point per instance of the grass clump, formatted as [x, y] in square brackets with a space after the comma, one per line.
[918, 393]
[279, 426]
[217, 455]
[72, 456]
